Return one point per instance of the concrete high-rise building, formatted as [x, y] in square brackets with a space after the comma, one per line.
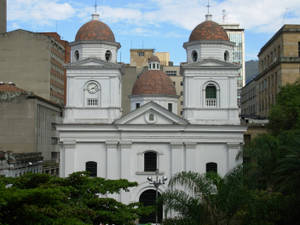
[35, 62]
[27, 122]
[3, 16]
[279, 63]
[237, 35]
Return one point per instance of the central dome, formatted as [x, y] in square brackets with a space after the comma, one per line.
[95, 30]
[208, 30]
[153, 82]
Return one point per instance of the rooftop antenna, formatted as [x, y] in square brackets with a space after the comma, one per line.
[224, 15]
[208, 16]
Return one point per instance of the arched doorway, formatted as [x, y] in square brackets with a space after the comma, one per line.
[148, 198]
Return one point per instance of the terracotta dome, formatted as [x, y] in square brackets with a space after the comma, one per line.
[153, 58]
[208, 30]
[95, 30]
[153, 82]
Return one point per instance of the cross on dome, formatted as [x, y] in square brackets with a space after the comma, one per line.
[208, 6]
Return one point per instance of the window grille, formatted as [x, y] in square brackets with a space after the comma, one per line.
[92, 102]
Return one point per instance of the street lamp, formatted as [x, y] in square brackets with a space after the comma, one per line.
[156, 183]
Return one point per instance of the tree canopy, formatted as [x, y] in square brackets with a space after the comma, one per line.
[75, 200]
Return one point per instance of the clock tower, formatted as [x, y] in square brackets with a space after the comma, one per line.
[93, 76]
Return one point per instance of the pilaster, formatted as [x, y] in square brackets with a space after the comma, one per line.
[177, 157]
[112, 160]
[67, 157]
[233, 149]
[190, 148]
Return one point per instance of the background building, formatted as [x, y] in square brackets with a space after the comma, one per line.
[3, 16]
[139, 57]
[27, 123]
[164, 58]
[249, 100]
[279, 64]
[16, 164]
[237, 35]
[129, 77]
[35, 62]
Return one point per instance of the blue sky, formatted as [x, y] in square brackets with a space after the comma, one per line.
[160, 24]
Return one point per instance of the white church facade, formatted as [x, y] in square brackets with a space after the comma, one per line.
[95, 136]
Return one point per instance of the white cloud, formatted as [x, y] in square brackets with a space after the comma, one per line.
[39, 12]
[255, 15]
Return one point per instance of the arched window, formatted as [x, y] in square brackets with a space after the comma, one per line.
[194, 56]
[150, 161]
[148, 198]
[108, 55]
[211, 167]
[226, 56]
[211, 95]
[76, 55]
[91, 167]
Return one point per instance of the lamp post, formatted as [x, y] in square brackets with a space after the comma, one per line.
[156, 183]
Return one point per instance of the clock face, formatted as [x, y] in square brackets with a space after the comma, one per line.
[92, 88]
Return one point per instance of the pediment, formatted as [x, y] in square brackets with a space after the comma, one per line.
[213, 63]
[151, 114]
[93, 62]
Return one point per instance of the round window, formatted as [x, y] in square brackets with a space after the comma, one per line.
[76, 54]
[194, 56]
[108, 55]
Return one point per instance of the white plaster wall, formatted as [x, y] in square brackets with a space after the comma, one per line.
[117, 159]
[215, 51]
[94, 51]
[195, 109]
[109, 96]
[163, 101]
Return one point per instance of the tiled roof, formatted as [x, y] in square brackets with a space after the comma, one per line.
[153, 82]
[95, 30]
[208, 30]
[11, 88]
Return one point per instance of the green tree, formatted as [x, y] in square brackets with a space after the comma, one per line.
[285, 114]
[78, 199]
